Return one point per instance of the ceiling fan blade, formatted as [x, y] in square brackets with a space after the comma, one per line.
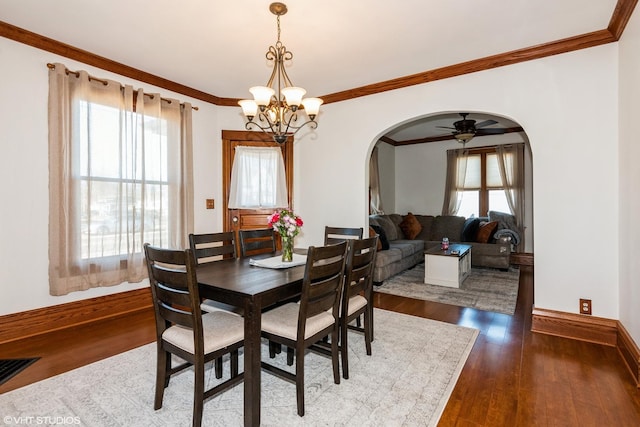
[445, 127]
[492, 131]
[486, 123]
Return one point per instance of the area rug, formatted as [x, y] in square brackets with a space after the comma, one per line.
[407, 381]
[485, 289]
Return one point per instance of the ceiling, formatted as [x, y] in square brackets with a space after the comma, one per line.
[219, 47]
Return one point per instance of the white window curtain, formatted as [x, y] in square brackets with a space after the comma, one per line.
[120, 175]
[455, 181]
[375, 202]
[258, 179]
[511, 167]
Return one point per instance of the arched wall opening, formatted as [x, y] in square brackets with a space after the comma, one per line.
[412, 162]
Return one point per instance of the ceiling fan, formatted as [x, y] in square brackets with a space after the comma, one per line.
[464, 130]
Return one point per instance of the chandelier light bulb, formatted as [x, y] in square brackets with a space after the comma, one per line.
[312, 106]
[293, 95]
[262, 95]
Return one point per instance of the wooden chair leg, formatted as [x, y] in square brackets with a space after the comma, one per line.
[198, 393]
[344, 349]
[334, 356]
[368, 331]
[300, 380]
[234, 363]
[162, 380]
[274, 348]
[289, 356]
[218, 364]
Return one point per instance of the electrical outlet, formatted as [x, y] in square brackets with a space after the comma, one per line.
[210, 204]
[585, 306]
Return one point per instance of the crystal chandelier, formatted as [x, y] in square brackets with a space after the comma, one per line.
[276, 108]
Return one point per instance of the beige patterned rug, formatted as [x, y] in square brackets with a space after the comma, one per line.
[485, 289]
[405, 382]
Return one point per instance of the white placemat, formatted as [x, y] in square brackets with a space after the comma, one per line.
[276, 261]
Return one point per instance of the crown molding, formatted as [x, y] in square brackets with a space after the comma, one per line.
[617, 24]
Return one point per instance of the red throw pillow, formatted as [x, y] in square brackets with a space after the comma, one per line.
[486, 231]
[410, 226]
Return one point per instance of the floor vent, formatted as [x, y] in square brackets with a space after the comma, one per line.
[11, 367]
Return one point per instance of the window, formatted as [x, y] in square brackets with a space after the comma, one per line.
[120, 176]
[480, 187]
[258, 178]
[113, 207]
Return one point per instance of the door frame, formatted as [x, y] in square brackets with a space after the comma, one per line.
[229, 137]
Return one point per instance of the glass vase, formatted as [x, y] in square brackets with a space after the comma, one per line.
[287, 249]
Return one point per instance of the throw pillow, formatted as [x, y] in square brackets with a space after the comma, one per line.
[470, 229]
[485, 232]
[410, 226]
[381, 236]
[372, 233]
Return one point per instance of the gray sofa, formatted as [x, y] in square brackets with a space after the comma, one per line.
[404, 253]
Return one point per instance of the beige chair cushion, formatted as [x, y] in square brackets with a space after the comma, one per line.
[356, 302]
[283, 321]
[220, 329]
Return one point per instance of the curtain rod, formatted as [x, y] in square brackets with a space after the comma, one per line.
[77, 74]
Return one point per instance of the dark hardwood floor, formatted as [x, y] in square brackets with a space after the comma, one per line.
[513, 377]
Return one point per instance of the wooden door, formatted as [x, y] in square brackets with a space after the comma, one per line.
[243, 219]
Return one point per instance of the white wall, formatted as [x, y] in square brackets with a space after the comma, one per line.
[24, 175]
[576, 210]
[629, 229]
[575, 168]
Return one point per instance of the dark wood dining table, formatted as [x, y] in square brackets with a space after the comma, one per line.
[238, 283]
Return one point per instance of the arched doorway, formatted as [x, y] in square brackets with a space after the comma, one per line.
[412, 161]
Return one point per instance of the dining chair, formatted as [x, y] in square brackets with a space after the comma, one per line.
[334, 235]
[211, 247]
[253, 242]
[299, 325]
[182, 329]
[357, 296]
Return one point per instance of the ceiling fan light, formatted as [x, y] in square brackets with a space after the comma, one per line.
[464, 137]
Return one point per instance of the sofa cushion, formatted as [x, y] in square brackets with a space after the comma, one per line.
[410, 226]
[407, 247]
[447, 226]
[383, 243]
[486, 231]
[387, 257]
[426, 221]
[387, 225]
[396, 219]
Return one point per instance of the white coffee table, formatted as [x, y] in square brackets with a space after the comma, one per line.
[447, 268]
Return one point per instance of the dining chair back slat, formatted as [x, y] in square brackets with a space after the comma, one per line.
[208, 246]
[333, 235]
[254, 242]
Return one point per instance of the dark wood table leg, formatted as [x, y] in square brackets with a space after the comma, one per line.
[252, 359]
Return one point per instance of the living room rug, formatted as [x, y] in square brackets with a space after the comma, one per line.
[485, 289]
[407, 381]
